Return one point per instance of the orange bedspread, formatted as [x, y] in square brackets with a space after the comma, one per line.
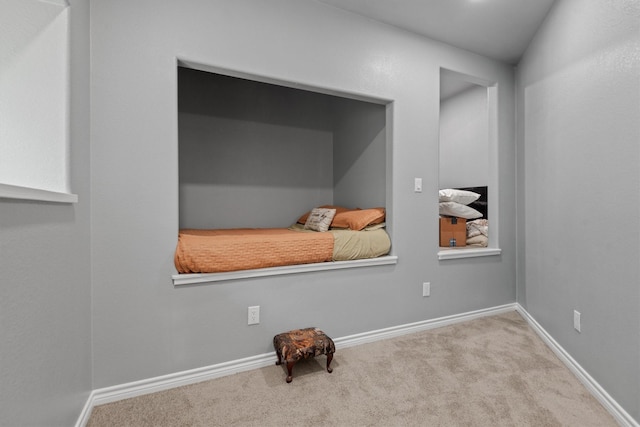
[215, 251]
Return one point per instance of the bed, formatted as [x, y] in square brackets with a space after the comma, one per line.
[348, 234]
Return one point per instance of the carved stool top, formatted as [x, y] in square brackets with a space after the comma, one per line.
[302, 344]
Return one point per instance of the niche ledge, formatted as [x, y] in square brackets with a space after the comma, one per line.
[8, 191]
[467, 253]
[190, 279]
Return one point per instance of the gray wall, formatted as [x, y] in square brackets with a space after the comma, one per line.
[578, 104]
[360, 154]
[464, 139]
[254, 154]
[45, 305]
[143, 326]
[251, 154]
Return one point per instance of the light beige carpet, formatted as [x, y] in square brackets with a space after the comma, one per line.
[493, 371]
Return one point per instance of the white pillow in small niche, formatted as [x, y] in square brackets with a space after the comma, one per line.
[459, 210]
[463, 197]
[320, 219]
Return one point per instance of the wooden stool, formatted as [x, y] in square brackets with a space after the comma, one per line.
[302, 344]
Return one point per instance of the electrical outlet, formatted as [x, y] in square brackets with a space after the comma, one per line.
[426, 289]
[254, 315]
[576, 320]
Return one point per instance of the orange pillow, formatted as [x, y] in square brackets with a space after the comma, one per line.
[359, 218]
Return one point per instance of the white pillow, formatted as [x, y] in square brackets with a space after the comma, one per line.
[459, 210]
[320, 219]
[459, 196]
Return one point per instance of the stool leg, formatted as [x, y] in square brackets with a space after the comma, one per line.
[289, 370]
[329, 359]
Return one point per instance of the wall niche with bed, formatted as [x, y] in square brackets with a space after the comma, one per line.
[265, 167]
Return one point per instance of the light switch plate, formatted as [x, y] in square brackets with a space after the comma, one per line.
[426, 289]
[417, 185]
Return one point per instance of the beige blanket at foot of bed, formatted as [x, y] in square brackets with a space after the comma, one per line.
[350, 245]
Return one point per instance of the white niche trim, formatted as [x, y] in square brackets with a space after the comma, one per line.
[190, 279]
[8, 191]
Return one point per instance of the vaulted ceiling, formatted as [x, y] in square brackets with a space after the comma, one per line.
[498, 29]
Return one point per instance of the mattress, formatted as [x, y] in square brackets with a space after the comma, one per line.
[222, 250]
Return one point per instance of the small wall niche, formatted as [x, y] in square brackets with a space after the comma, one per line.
[34, 101]
[257, 154]
[468, 152]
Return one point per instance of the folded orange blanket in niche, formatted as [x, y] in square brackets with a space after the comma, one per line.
[215, 251]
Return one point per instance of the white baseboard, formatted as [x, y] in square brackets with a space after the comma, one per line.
[622, 417]
[165, 382]
[394, 331]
